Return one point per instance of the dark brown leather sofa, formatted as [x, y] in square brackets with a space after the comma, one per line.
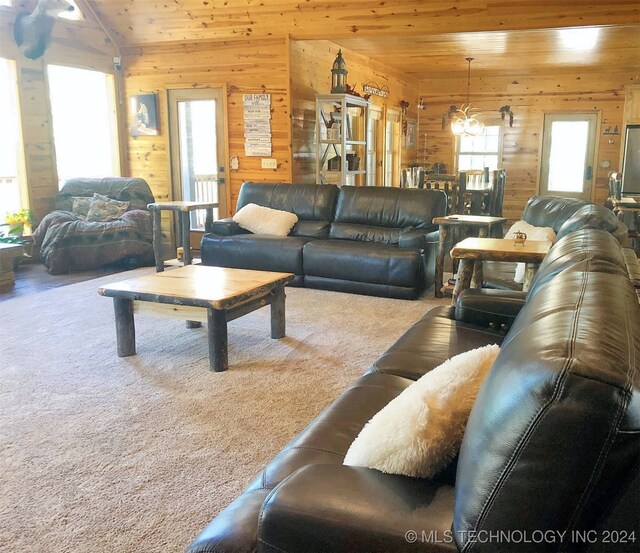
[551, 455]
[377, 241]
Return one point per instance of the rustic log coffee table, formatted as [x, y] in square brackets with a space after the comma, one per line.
[473, 251]
[216, 295]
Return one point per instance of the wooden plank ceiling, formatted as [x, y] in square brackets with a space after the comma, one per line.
[423, 39]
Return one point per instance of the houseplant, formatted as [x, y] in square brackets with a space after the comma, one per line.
[17, 221]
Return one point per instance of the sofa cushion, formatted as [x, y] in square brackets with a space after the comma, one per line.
[550, 211]
[430, 342]
[419, 432]
[393, 208]
[103, 209]
[264, 220]
[590, 216]
[572, 249]
[363, 262]
[310, 202]
[254, 251]
[557, 419]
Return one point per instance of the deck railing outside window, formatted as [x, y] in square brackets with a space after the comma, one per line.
[206, 190]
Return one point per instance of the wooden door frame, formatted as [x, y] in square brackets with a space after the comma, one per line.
[196, 236]
[596, 147]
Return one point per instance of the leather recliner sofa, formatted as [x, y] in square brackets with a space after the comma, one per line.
[563, 215]
[550, 459]
[365, 240]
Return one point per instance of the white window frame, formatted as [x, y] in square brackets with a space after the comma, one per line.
[110, 82]
[487, 123]
[20, 161]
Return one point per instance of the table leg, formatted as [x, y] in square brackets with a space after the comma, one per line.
[125, 327]
[442, 238]
[208, 220]
[530, 270]
[278, 321]
[217, 334]
[157, 239]
[463, 279]
[185, 231]
[477, 278]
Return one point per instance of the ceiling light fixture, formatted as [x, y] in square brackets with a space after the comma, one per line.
[464, 120]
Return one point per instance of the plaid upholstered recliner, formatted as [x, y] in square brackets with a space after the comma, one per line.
[69, 242]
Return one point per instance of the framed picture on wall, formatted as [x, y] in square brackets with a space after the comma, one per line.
[410, 136]
[143, 115]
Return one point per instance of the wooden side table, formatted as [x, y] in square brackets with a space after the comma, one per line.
[473, 251]
[182, 211]
[8, 254]
[620, 208]
[459, 223]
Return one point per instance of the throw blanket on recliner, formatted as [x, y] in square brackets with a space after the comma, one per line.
[70, 243]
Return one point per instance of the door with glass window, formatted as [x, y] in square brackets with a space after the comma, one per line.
[197, 136]
[568, 151]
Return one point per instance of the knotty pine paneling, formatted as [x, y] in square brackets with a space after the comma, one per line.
[149, 21]
[530, 98]
[311, 63]
[74, 43]
[243, 67]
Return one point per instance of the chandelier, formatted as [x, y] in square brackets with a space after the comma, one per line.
[464, 120]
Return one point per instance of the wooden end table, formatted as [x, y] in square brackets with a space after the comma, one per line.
[215, 295]
[183, 211]
[473, 251]
[455, 224]
[8, 255]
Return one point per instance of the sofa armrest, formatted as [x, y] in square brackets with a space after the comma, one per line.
[341, 508]
[489, 308]
[226, 227]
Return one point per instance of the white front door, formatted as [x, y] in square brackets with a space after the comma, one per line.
[568, 152]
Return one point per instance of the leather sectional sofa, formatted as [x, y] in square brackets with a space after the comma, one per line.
[563, 215]
[550, 459]
[377, 241]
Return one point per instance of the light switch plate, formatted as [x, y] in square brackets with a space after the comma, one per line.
[269, 163]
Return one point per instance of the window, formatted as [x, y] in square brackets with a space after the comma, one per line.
[12, 194]
[478, 152]
[5, 2]
[84, 123]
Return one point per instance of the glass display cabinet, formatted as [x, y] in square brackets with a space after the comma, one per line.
[341, 139]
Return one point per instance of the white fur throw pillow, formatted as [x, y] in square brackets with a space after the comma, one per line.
[419, 432]
[264, 220]
[533, 233]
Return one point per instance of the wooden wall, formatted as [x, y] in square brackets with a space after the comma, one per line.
[75, 43]
[243, 67]
[530, 98]
[311, 63]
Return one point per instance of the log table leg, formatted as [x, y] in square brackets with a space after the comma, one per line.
[477, 277]
[442, 239]
[185, 231]
[463, 280]
[157, 239]
[217, 333]
[125, 327]
[530, 270]
[278, 321]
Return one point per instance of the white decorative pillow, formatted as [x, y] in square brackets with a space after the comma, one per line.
[264, 220]
[419, 432]
[533, 233]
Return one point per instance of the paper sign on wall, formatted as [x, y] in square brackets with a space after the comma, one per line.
[257, 124]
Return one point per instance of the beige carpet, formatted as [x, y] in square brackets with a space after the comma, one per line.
[101, 454]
